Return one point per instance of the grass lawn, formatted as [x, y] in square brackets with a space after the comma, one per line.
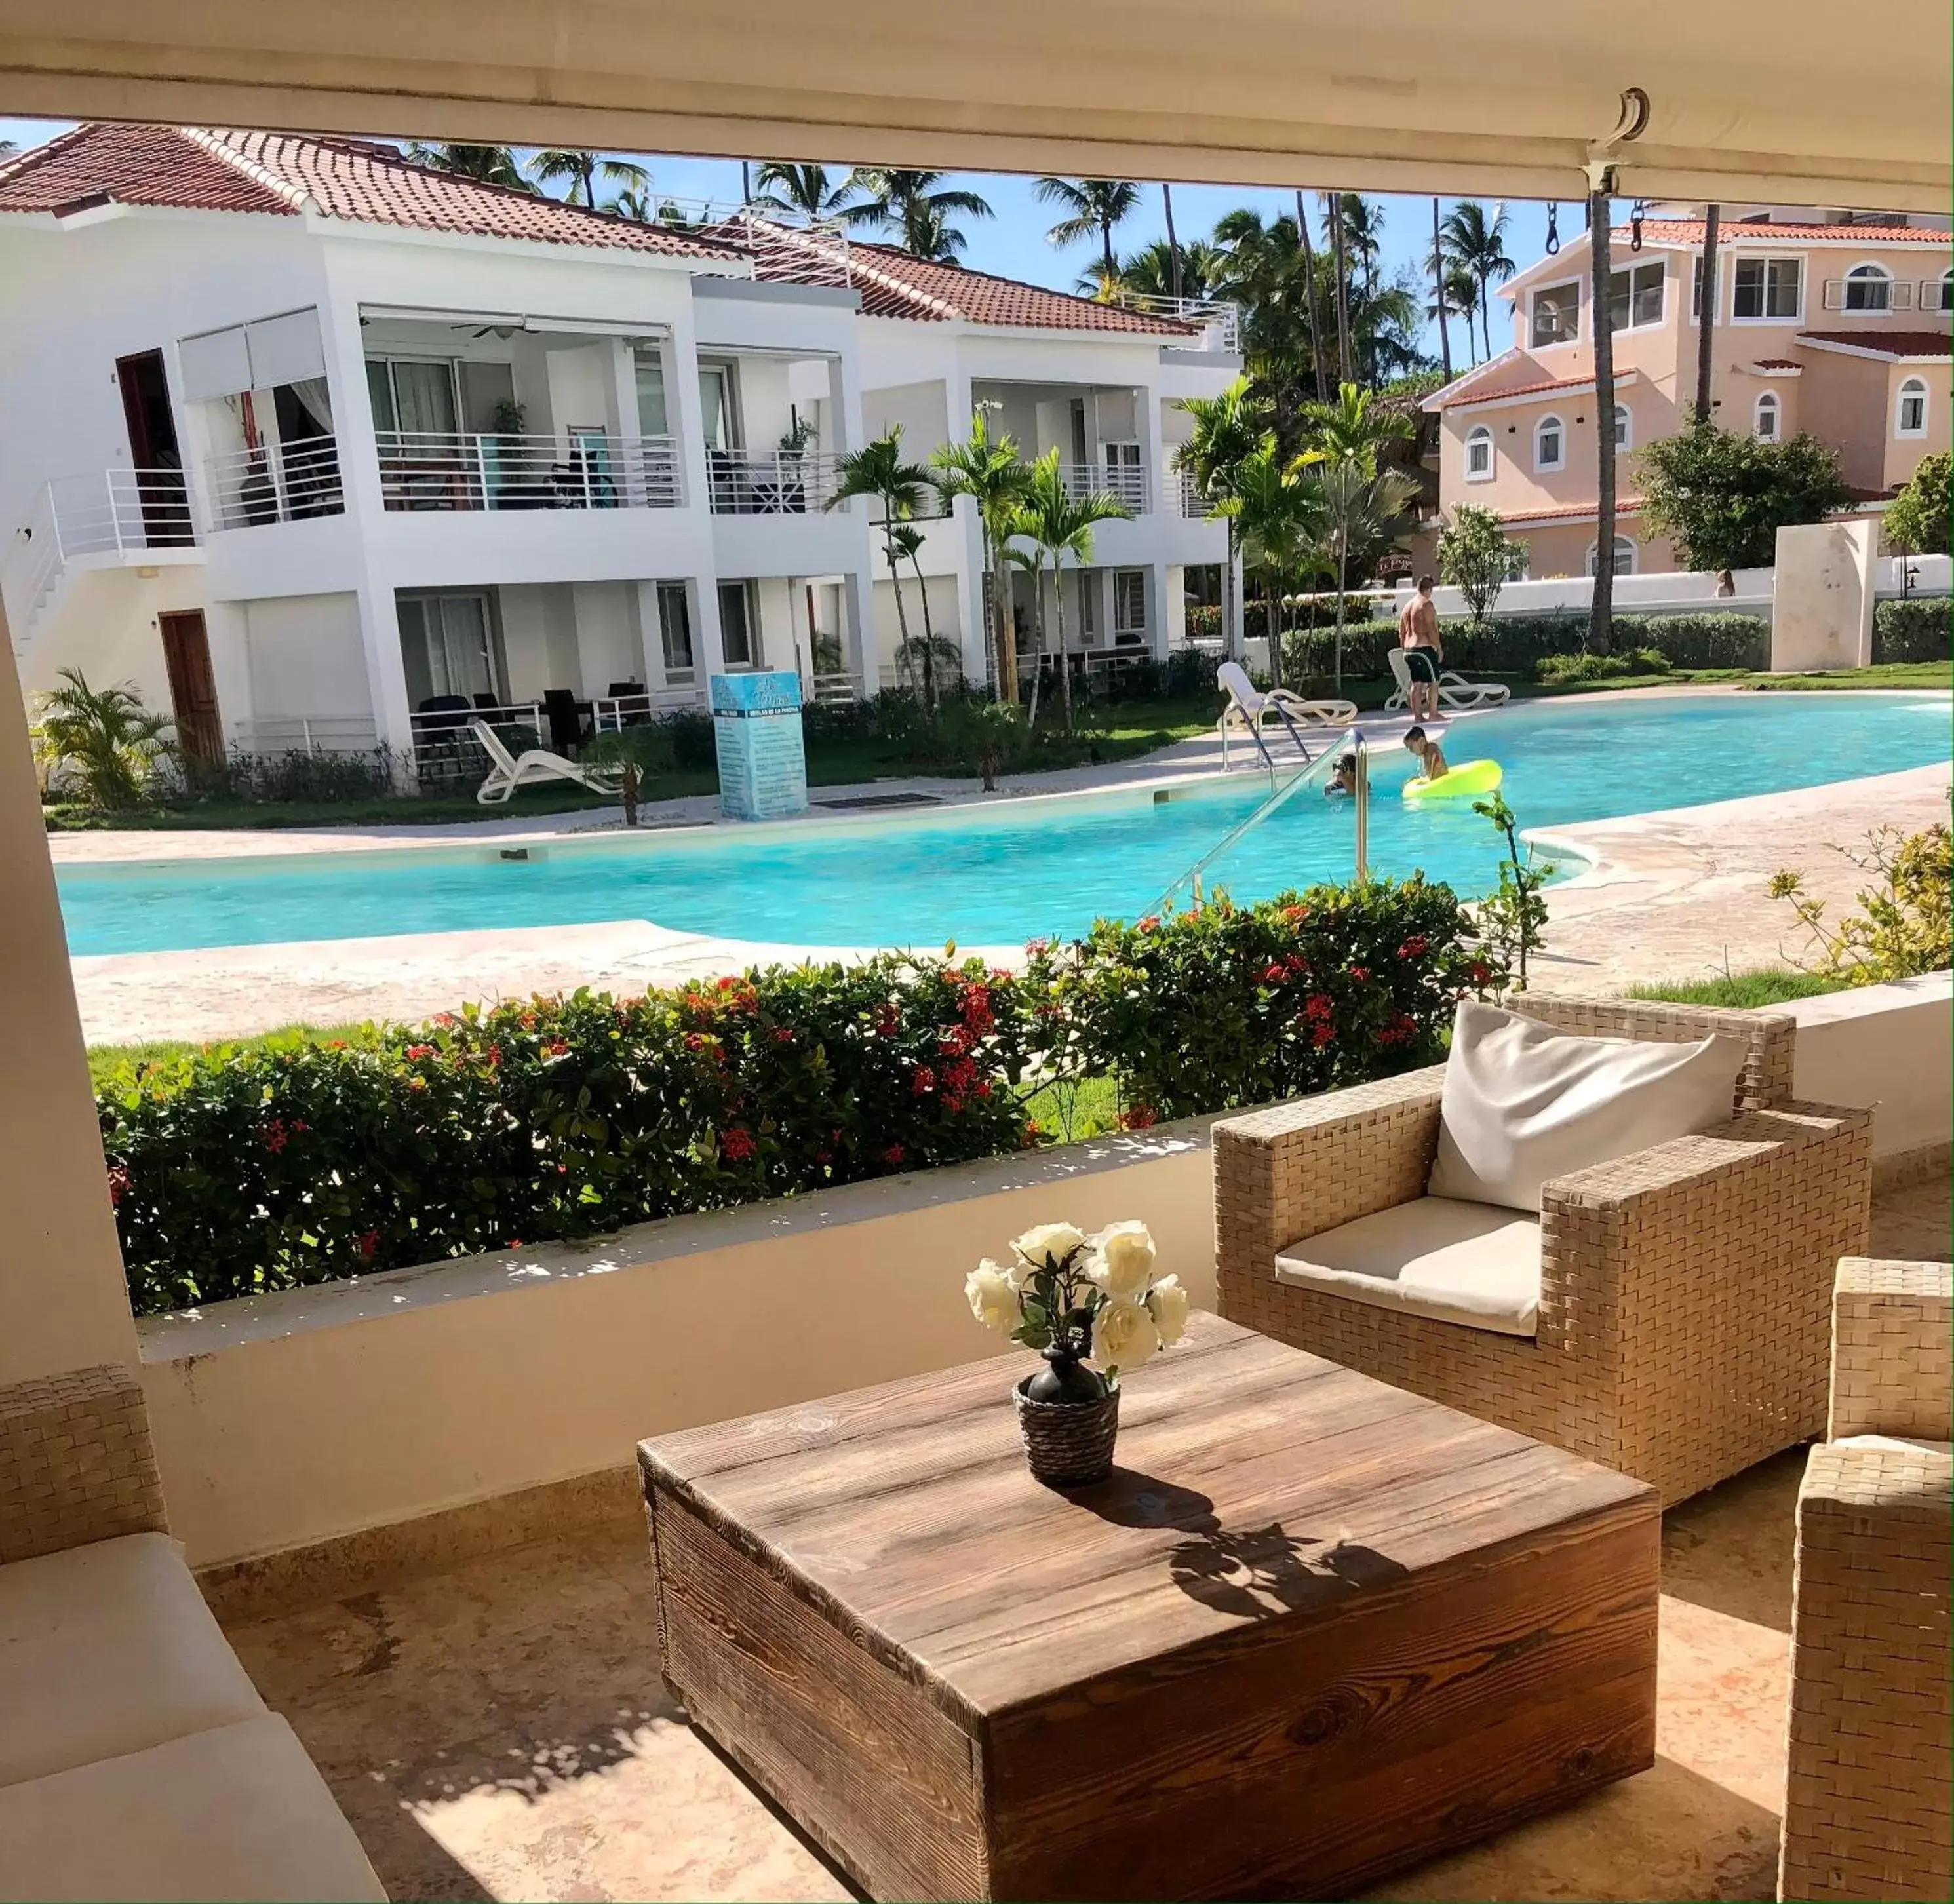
[1887, 674]
[1750, 991]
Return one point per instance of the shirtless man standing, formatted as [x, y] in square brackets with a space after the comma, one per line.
[1424, 650]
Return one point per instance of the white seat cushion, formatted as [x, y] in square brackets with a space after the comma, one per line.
[106, 1649]
[238, 1813]
[1523, 1103]
[1476, 1264]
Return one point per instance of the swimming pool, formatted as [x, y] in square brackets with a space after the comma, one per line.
[1003, 872]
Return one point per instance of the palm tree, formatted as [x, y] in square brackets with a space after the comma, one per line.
[916, 206]
[1441, 304]
[1174, 257]
[1333, 216]
[1706, 314]
[1264, 270]
[1479, 244]
[582, 169]
[877, 470]
[1462, 300]
[1363, 222]
[990, 471]
[1309, 288]
[1227, 431]
[805, 189]
[492, 165]
[1353, 429]
[105, 737]
[635, 206]
[1093, 207]
[1060, 523]
[922, 652]
[1151, 270]
[1275, 510]
[1031, 562]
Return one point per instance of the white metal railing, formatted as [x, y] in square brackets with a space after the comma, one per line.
[834, 688]
[1218, 321]
[1187, 494]
[444, 725]
[447, 469]
[612, 713]
[32, 565]
[105, 512]
[1126, 481]
[276, 483]
[307, 733]
[782, 245]
[769, 482]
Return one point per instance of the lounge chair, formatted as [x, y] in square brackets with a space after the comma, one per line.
[1247, 707]
[507, 771]
[1456, 695]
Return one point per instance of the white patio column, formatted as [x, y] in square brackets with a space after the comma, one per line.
[1147, 426]
[859, 646]
[1162, 580]
[64, 1303]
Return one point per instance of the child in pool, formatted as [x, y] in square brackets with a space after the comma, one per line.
[1430, 756]
[1343, 782]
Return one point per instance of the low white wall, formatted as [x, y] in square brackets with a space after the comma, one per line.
[282, 1420]
[1890, 1047]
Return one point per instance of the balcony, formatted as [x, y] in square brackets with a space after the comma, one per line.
[770, 482]
[1218, 323]
[276, 483]
[1128, 482]
[449, 471]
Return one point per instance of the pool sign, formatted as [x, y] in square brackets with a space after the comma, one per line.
[762, 761]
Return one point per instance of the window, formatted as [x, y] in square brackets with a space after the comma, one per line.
[1556, 315]
[1868, 288]
[739, 625]
[648, 371]
[1130, 600]
[417, 399]
[1634, 296]
[446, 649]
[1910, 418]
[1549, 444]
[1625, 557]
[1479, 454]
[1696, 287]
[1625, 430]
[675, 630]
[1937, 294]
[1766, 289]
[719, 413]
[1765, 418]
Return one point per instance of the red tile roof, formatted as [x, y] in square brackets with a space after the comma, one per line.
[1690, 231]
[359, 181]
[1465, 398]
[892, 283]
[1776, 363]
[1888, 344]
[1575, 512]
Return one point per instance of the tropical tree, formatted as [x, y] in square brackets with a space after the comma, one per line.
[1150, 270]
[1093, 207]
[1917, 518]
[1363, 223]
[1477, 557]
[918, 654]
[1031, 561]
[492, 165]
[1441, 304]
[583, 170]
[1722, 497]
[1060, 524]
[1276, 516]
[991, 472]
[1263, 270]
[805, 189]
[1461, 294]
[877, 470]
[1227, 431]
[1479, 243]
[632, 205]
[104, 740]
[915, 207]
[1354, 428]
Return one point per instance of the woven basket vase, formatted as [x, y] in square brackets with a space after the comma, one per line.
[1068, 1444]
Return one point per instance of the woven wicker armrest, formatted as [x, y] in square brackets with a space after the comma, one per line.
[1295, 1170]
[1892, 1350]
[77, 1463]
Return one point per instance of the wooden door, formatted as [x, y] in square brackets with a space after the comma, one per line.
[192, 687]
[161, 504]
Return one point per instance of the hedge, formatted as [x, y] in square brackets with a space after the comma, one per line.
[1913, 628]
[241, 1169]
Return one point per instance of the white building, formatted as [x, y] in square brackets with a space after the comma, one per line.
[320, 448]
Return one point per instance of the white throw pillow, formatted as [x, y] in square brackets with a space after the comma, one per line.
[1523, 1103]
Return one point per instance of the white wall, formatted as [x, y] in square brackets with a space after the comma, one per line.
[304, 656]
[609, 648]
[540, 643]
[1890, 1047]
[920, 409]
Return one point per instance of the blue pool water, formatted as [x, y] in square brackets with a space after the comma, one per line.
[1006, 872]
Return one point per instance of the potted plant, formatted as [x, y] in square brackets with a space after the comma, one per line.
[1078, 1300]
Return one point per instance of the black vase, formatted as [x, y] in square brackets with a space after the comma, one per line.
[1065, 1378]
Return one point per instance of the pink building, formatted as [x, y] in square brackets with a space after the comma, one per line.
[1840, 329]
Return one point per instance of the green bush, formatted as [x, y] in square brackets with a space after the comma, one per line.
[1563, 668]
[1916, 629]
[243, 1168]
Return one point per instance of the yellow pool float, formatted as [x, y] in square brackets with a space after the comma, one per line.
[1468, 777]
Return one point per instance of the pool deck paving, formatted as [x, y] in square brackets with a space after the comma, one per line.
[1672, 894]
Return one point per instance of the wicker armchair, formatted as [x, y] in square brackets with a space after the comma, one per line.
[1868, 1795]
[76, 1463]
[1683, 1332]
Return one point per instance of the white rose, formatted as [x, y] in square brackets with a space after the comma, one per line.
[1049, 1243]
[1168, 1301]
[993, 1302]
[1123, 1335]
[1125, 1262]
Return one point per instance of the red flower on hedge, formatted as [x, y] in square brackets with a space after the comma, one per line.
[556, 1048]
[893, 1154]
[1274, 975]
[368, 1244]
[925, 1080]
[418, 1051]
[494, 1057]
[1414, 948]
[888, 1021]
[1322, 1035]
[728, 984]
[118, 1183]
[1481, 972]
[1319, 1008]
[1360, 972]
[1150, 924]
[1295, 915]
[738, 1145]
[975, 1005]
[276, 1136]
[1139, 1116]
[781, 1034]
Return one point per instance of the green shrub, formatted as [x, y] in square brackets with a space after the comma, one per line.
[1724, 640]
[1915, 629]
[648, 747]
[242, 1168]
[1917, 519]
[1618, 666]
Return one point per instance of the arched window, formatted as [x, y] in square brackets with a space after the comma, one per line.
[1625, 557]
[1910, 412]
[1766, 416]
[1625, 430]
[1479, 454]
[1869, 287]
[1943, 294]
[1549, 444]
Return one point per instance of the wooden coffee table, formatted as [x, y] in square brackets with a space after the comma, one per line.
[1313, 1628]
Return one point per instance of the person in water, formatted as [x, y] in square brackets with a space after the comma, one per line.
[1343, 781]
[1430, 756]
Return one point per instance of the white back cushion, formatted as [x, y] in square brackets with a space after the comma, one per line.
[1523, 1103]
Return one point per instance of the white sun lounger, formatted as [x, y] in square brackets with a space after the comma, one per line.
[507, 771]
[1248, 707]
[1455, 694]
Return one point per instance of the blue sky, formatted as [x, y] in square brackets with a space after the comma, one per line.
[1013, 243]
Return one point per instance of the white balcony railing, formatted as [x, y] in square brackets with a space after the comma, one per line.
[612, 713]
[836, 688]
[1186, 492]
[1218, 322]
[314, 734]
[276, 483]
[104, 512]
[1126, 481]
[769, 482]
[446, 469]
